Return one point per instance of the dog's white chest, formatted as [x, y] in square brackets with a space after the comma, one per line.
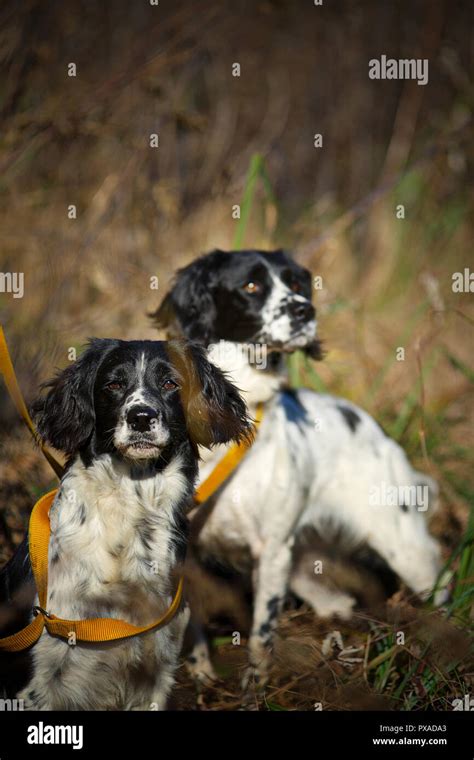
[244, 517]
[111, 543]
[110, 557]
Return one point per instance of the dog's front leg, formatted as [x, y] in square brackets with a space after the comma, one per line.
[168, 644]
[271, 582]
[198, 662]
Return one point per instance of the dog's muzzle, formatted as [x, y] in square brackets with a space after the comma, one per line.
[143, 436]
[301, 311]
[141, 418]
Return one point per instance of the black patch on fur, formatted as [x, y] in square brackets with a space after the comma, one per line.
[65, 416]
[82, 513]
[145, 533]
[372, 561]
[273, 605]
[292, 406]
[148, 469]
[352, 418]
[179, 537]
[208, 301]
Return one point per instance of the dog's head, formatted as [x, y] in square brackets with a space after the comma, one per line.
[140, 400]
[243, 297]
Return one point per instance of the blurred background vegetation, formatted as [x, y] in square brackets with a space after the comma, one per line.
[224, 140]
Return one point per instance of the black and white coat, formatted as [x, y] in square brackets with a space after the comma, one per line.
[130, 416]
[319, 463]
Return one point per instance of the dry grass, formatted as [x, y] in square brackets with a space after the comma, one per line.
[143, 212]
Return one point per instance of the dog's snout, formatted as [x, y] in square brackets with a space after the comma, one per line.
[140, 418]
[301, 310]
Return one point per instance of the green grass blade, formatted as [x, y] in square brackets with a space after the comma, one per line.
[249, 192]
[459, 365]
[398, 427]
[401, 341]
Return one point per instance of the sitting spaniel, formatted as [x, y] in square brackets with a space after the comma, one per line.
[321, 475]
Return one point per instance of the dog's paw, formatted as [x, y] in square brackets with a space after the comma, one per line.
[255, 677]
[253, 683]
[333, 648]
[199, 667]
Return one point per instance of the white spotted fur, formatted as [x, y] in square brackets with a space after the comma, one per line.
[276, 322]
[312, 472]
[104, 570]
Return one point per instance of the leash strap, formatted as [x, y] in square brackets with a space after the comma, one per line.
[225, 466]
[89, 630]
[8, 373]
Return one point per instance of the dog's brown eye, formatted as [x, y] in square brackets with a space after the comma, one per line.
[114, 386]
[296, 287]
[168, 385]
[252, 287]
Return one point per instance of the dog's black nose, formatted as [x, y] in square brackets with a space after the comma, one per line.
[140, 418]
[303, 311]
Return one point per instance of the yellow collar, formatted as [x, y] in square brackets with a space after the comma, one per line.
[92, 629]
[226, 465]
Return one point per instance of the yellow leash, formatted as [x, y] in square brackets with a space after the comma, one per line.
[92, 629]
[226, 466]
[6, 369]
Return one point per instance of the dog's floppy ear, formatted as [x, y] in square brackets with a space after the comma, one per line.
[214, 410]
[189, 309]
[65, 416]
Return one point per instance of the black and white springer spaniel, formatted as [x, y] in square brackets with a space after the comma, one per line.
[130, 417]
[319, 465]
